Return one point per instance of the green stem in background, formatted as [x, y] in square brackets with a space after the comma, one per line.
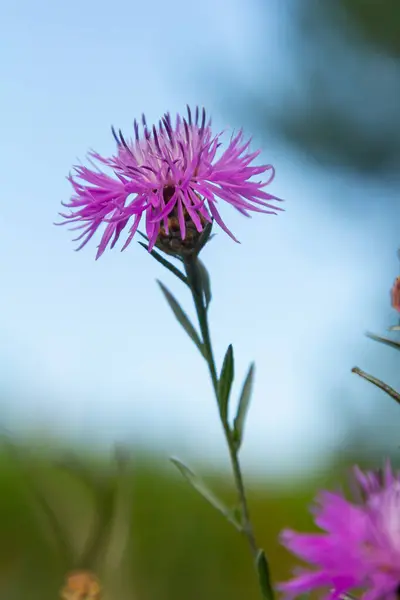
[380, 384]
[196, 288]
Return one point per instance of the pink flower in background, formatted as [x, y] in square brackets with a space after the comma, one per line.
[395, 294]
[169, 172]
[360, 546]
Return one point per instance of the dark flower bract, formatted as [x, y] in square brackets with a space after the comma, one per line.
[172, 171]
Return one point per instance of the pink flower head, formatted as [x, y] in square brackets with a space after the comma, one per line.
[360, 546]
[169, 172]
[395, 294]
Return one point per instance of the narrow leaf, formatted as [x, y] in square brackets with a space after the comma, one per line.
[243, 406]
[380, 384]
[225, 382]
[394, 328]
[205, 282]
[165, 263]
[204, 491]
[106, 501]
[384, 340]
[143, 235]
[108, 495]
[204, 238]
[182, 317]
[264, 575]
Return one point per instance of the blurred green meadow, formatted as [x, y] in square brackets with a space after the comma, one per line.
[161, 539]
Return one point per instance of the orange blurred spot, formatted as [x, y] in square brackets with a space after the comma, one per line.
[81, 585]
[395, 294]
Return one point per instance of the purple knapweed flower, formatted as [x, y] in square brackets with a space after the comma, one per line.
[360, 549]
[171, 176]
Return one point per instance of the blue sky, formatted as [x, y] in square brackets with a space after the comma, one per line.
[89, 349]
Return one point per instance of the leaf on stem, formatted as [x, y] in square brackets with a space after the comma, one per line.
[204, 491]
[205, 282]
[106, 500]
[143, 235]
[204, 238]
[243, 407]
[394, 328]
[225, 382]
[182, 317]
[384, 340]
[380, 384]
[165, 263]
[264, 576]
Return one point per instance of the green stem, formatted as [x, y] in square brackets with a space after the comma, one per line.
[237, 474]
[201, 311]
[380, 384]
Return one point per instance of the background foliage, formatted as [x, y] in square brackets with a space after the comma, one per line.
[166, 542]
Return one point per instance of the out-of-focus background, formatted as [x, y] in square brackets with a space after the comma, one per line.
[90, 355]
